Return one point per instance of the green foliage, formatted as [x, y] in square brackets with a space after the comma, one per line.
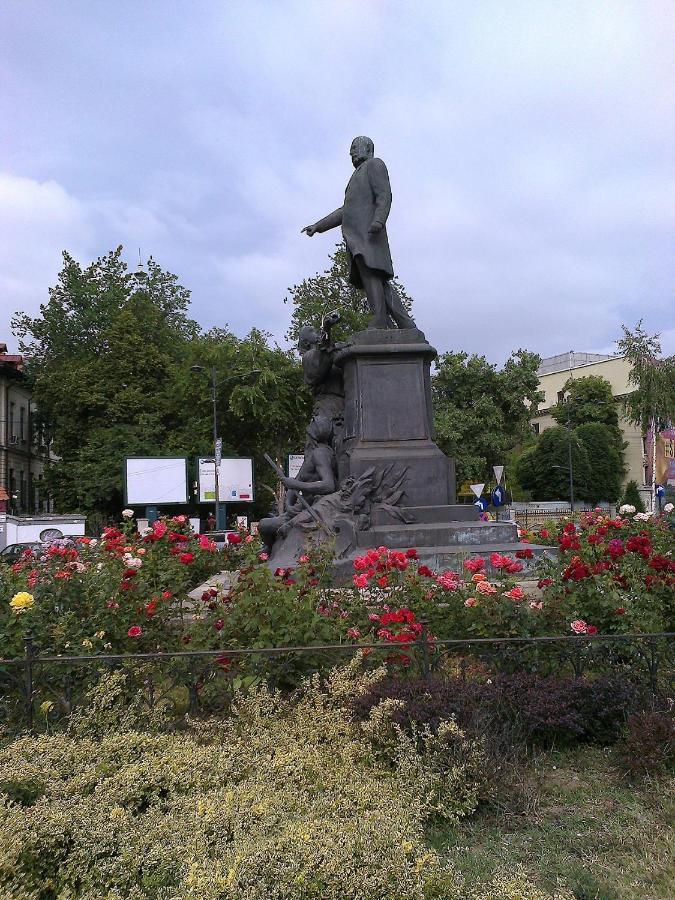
[244, 808]
[652, 376]
[588, 399]
[544, 469]
[109, 359]
[632, 497]
[481, 412]
[597, 464]
[604, 446]
[314, 297]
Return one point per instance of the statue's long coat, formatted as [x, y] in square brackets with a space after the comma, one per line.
[367, 200]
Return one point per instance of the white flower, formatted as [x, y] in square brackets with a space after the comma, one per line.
[641, 517]
[93, 542]
[145, 531]
[668, 507]
[128, 513]
[132, 562]
[626, 509]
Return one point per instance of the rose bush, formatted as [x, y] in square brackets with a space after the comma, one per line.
[122, 593]
[128, 592]
[614, 574]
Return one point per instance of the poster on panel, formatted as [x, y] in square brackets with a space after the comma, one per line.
[235, 480]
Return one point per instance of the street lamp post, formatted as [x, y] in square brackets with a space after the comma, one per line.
[211, 374]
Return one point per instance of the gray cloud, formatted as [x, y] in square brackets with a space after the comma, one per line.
[529, 146]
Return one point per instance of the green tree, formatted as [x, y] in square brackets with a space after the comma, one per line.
[100, 357]
[653, 377]
[631, 496]
[109, 357]
[314, 297]
[587, 399]
[604, 448]
[480, 412]
[543, 470]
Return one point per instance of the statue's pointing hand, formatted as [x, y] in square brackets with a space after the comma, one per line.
[375, 228]
[309, 230]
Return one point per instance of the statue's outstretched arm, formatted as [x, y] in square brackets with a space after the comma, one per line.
[332, 220]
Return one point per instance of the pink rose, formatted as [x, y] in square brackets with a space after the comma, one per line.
[471, 601]
[135, 631]
[263, 557]
[578, 626]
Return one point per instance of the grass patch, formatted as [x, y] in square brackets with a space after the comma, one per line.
[579, 823]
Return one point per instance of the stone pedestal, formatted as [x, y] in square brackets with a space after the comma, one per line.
[388, 417]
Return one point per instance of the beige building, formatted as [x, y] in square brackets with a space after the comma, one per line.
[23, 453]
[554, 373]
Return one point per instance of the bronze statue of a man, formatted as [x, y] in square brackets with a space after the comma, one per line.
[363, 217]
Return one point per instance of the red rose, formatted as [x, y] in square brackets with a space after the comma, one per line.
[234, 538]
[219, 625]
[411, 553]
[186, 558]
[135, 631]
[424, 571]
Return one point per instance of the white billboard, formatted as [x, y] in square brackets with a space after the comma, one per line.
[235, 480]
[152, 480]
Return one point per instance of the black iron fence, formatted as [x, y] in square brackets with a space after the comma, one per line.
[39, 691]
[535, 518]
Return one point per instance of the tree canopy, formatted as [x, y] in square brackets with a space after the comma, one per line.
[314, 297]
[482, 412]
[109, 356]
[588, 399]
[652, 376]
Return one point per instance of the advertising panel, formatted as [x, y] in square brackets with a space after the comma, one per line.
[154, 480]
[235, 477]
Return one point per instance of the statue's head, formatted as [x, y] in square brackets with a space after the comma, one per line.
[320, 430]
[308, 337]
[362, 148]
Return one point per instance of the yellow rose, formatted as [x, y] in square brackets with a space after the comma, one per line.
[21, 601]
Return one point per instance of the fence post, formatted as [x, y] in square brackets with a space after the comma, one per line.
[29, 651]
[423, 641]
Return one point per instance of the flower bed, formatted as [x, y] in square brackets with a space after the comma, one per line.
[128, 592]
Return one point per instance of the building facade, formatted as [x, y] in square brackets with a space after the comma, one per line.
[554, 373]
[23, 452]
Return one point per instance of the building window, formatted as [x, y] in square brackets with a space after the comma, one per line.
[11, 420]
[22, 491]
[535, 427]
[22, 424]
[561, 396]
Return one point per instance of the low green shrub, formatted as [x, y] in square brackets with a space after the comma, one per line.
[289, 798]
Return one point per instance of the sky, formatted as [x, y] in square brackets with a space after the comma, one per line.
[530, 147]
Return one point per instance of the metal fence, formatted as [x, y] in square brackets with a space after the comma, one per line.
[38, 691]
[535, 518]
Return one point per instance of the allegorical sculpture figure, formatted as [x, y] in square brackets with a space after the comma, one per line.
[363, 217]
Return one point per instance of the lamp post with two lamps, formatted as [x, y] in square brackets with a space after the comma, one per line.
[212, 375]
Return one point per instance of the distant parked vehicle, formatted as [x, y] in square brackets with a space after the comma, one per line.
[13, 552]
[220, 537]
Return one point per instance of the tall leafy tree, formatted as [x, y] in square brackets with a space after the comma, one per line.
[653, 377]
[100, 356]
[110, 355]
[543, 469]
[482, 412]
[587, 399]
[314, 297]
